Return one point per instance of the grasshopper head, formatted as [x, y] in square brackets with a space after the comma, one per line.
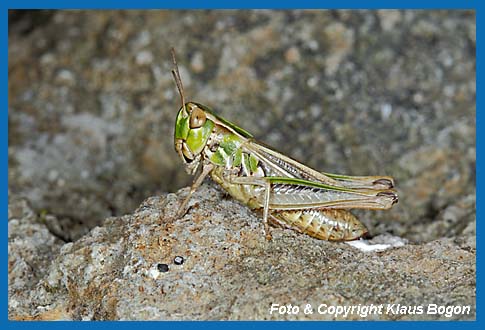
[192, 131]
[192, 127]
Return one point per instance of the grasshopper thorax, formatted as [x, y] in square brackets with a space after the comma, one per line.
[192, 131]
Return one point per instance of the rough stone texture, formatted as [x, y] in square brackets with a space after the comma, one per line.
[91, 112]
[31, 249]
[232, 272]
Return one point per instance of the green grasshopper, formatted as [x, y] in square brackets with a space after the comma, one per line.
[290, 194]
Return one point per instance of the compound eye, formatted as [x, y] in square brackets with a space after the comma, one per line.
[197, 118]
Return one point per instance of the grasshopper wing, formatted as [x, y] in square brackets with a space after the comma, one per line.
[277, 164]
[293, 194]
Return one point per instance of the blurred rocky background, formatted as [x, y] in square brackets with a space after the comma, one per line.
[92, 106]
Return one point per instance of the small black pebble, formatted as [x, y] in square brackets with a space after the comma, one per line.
[178, 260]
[162, 268]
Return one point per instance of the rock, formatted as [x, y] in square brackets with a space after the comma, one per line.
[231, 271]
[31, 249]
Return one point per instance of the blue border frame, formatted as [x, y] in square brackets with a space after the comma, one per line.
[194, 4]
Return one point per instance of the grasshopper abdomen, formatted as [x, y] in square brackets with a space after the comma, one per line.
[326, 224]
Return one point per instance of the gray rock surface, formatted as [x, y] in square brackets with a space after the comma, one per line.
[231, 271]
[31, 250]
[91, 113]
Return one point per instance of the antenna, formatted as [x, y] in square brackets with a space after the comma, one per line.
[178, 79]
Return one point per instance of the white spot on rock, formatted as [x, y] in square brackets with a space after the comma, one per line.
[154, 273]
[364, 245]
[145, 57]
[65, 77]
[386, 110]
[197, 63]
[312, 81]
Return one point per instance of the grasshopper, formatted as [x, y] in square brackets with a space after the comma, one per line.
[290, 194]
